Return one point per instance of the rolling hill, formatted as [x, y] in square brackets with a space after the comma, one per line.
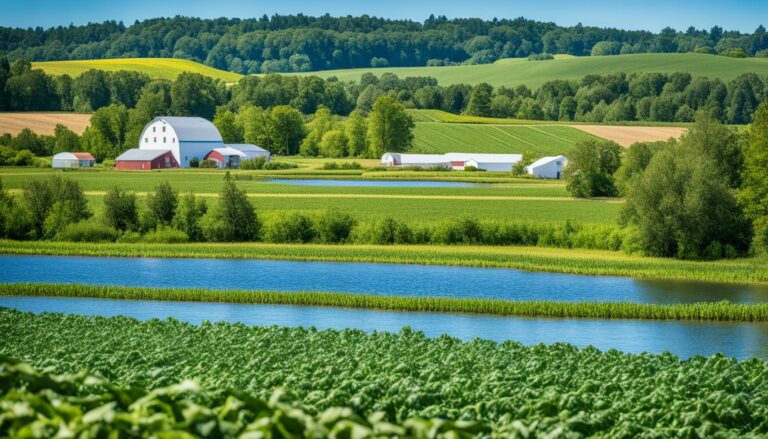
[162, 68]
[516, 71]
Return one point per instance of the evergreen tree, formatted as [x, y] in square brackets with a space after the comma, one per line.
[390, 127]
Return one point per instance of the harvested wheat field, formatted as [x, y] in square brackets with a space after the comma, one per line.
[627, 135]
[42, 123]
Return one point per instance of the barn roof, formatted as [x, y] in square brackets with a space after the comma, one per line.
[141, 155]
[83, 155]
[245, 147]
[192, 129]
[544, 160]
[64, 156]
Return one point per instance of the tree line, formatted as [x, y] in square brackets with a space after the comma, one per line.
[704, 196]
[297, 43]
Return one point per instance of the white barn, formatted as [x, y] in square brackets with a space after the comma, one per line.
[250, 151]
[185, 137]
[453, 160]
[547, 167]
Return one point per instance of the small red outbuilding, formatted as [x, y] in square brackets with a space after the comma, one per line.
[145, 159]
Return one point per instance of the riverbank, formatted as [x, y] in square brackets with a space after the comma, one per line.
[554, 260]
[718, 311]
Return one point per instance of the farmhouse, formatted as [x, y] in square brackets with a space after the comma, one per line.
[547, 167]
[453, 160]
[72, 160]
[145, 159]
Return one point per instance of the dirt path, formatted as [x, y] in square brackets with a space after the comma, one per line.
[627, 135]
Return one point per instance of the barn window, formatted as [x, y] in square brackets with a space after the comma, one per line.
[154, 129]
[163, 128]
[163, 139]
[173, 140]
[154, 139]
[146, 140]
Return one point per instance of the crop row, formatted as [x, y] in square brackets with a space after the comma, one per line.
[590, 262]
[435, 137]
[558, 390]
[712, 311]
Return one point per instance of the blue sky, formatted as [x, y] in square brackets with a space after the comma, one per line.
[744, 15]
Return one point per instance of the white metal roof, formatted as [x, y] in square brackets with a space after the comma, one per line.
[245, 147]
[192, 129]
[544, 160]
[65, 156]
[227, 151]
[137, 155]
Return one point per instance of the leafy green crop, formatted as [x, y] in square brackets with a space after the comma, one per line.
[556, 390]
[36, 405]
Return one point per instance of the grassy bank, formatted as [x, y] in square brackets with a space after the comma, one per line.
[720, 311]
[519, 391]
[590, 262]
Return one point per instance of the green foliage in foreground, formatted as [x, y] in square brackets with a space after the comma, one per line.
[714, 311]
[89, 406]
[593, 262]
[558, 390]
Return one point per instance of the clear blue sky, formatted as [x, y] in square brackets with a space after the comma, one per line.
[743, 15]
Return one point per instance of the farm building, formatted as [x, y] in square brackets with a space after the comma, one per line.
[226, 157]
[547, 167]
[146, 159]
[250, 151]
[185, 137]
[453, 160]
[72, 160]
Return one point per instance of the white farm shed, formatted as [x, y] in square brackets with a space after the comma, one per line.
[547, 167]
[185, 137]
[72, 160]
[453, 160]
[226, 157]
[417, 160]
[250, 151]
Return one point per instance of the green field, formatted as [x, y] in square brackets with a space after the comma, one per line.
[381, 378]
[512, 72]
[161, 68]
[439, 137]
[556, 260]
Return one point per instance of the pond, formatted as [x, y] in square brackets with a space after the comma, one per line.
[390, 279]
[685, 339]
[373, 183]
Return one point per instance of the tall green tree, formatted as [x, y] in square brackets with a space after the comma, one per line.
[390, 127]
[234, 219]
[90, 91]
[226, 122]
[591, 164]
[120, 211]
[162, 205]
[480, 100]
[356, 131]
[193, 94]
[322, 122]
[753, 195]
[287, 129]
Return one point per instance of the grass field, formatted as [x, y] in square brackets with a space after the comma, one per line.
[704, 311]
[438, 137]
[162, 68]
[42, 123]
[519, 71]
[555, 260]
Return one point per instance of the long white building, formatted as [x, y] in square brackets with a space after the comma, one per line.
[453, 160]
[186, 137]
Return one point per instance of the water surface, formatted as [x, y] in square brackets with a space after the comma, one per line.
[392, 279]
[685, 339]
[373, 183]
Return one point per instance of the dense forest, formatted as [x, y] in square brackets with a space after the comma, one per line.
[297, 43]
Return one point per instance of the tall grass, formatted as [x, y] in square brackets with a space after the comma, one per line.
[713, 311]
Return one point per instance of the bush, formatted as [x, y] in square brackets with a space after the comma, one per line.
[188, 215]
[108, 164]
[387, 231]
[271, 166]
[290, 228]
[466, 231]
[334, 227]
[344, 165]
[234, 219]
[23, 158]
[210, 164]
[540, 57]
[165, 235]
[254, 163]
[194, 163]
[471, 168]
[120, 209]
[87, 231]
